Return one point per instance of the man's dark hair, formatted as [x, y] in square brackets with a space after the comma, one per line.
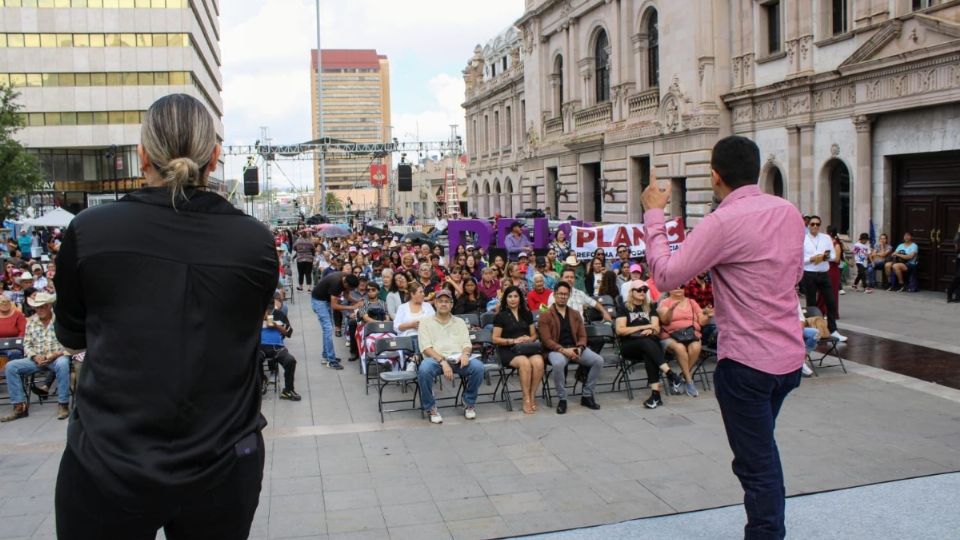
[816, 217]
[737, 160]
[568, 269]
[351, 281]
[515, 224]
[562, 284]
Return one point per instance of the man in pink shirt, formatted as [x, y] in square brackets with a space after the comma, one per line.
[753, 246]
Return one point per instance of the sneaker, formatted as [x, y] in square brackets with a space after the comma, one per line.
[290, 394]
[470, 413]
[691, 389]
[805, 370]
[868, 290]
[653, 402]
[836, 335]
[324, 361]
[842, 291]
[676, 383]
[435, 417]
[334, 365]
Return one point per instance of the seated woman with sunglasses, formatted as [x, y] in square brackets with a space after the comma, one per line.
[639, 329]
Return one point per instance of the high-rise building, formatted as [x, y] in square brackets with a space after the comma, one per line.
[356, 108]
[87, 70]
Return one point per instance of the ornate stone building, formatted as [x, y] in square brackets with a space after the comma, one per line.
[855, 105]
[496, 140]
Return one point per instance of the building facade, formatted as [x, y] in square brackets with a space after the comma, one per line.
[88, 70]
[854, 104]
[356, 108]
[495, 110]
[426, 199]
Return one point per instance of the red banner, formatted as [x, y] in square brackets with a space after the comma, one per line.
[378, 174]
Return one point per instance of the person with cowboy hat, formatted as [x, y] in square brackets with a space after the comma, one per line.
[42, 352]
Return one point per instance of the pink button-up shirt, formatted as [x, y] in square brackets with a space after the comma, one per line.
[753, 246]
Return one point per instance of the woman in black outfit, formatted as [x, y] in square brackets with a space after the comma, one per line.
[166, 290]
[638, 326]
[472, 301]
[513, 325]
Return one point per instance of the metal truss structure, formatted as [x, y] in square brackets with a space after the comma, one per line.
[329, 146]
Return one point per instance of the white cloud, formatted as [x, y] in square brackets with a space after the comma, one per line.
[266, 62]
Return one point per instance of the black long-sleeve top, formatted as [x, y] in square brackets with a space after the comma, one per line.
[168, 304]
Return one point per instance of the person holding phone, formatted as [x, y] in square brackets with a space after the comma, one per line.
[817, 254]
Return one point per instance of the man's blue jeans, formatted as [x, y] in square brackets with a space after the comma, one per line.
[749, 403]
[16, 369]
[325, 316]
[430, 369]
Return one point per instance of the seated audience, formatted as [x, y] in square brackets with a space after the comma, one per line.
[904, 258]
[639, 329]
[538, 297]
[446, 349]
[680, 322]
[514, 326]
[42, 352]
[276, 327]
[565, 340]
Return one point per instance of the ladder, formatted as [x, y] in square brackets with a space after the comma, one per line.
[451, 193]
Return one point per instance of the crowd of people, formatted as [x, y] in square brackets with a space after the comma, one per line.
[26, 312]
[537, 306]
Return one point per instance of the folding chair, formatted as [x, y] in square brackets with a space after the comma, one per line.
[486, 319]
[368, 362]
[605, 335]
[833, 345]
[472, 320]
[401, 344]
[270, 373]
[482, 341]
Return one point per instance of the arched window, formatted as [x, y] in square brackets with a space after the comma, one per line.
[840, 197]
[653, 50]
[601, 55]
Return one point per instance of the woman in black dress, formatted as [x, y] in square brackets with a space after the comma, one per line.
[638, 326]
[513, 325]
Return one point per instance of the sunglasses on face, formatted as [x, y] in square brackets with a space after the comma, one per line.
[641, 289]
[814, 224]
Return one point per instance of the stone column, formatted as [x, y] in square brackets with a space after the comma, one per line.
[616, 74]
[807, 175]
[863, 181]
[794, 185]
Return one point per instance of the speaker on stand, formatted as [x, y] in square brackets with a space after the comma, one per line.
[404, 177]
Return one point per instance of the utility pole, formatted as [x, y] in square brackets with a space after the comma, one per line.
[265, 137]
[323, 153]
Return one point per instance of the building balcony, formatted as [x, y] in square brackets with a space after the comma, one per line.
[553, 126]
[600, 114]
[643, 103]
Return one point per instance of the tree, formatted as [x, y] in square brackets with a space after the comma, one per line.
[334, 205]
[20, 171]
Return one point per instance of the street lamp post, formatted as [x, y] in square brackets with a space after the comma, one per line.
[323, 153]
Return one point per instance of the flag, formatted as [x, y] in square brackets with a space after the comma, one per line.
[378, 174]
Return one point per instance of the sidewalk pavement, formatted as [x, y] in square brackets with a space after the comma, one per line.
[334, 471]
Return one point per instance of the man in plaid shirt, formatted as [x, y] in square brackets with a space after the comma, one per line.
[42, 352]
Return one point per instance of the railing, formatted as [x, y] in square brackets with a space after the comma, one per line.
[599, 114]
[553, 125]
[644, 104]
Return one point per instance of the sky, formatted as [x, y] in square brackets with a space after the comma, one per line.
[265, 47]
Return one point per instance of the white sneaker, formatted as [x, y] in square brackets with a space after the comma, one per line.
[470, 413]
[435, 417]
[842, 291]
[805, 369]
[836, 335]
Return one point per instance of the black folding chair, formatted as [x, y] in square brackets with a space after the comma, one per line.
[486, 319]
[832, 343]
[368, 363]
[472, 320]
[482, 341]
[401, 344]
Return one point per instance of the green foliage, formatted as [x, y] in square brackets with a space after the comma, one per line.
[334, 204]
[20, 171]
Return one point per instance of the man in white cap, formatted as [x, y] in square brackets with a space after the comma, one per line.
[42, 352]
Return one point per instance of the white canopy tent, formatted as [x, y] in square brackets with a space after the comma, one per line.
[54, 218]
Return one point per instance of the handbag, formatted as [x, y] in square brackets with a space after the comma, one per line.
[684, 335]
[528, 348]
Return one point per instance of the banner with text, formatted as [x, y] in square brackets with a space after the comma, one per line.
[586, 240]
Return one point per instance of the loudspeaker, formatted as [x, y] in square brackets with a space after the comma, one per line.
[251, 182]
[404, 178]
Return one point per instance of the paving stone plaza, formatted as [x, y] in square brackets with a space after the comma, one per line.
[334, 471]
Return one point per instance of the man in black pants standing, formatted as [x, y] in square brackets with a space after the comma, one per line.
[303, 252]
[817, 252]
